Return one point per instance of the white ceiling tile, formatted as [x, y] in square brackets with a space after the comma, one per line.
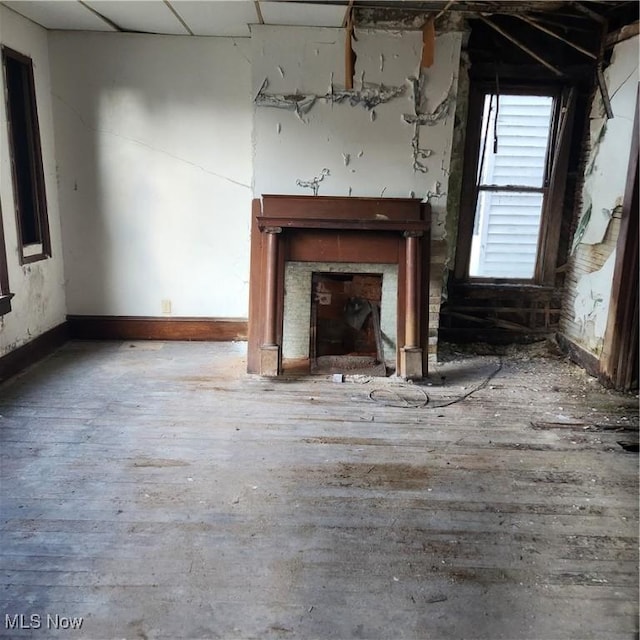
[148, 16]
[217, 17]
[300, 14]
[63, 14]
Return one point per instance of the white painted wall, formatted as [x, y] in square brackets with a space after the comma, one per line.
[154, 161]
[310, 60]
[39, 302]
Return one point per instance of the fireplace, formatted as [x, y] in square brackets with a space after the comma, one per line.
[348, 275]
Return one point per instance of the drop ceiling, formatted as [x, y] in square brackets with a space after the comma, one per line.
[235, 17]
[176, 17]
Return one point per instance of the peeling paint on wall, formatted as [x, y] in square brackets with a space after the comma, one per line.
[368, 96]
[435, 194]
[590, 276]
[591, 304]
[420, 118]
[314, 183]
[382, 146]
[609, 146]
[441, 111]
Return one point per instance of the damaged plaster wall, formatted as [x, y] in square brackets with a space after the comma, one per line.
[609, 145]
[154, 155]
[364, 138]
[590, 274]
[39, 301]
[390, 137]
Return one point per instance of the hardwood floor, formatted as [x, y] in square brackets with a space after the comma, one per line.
[157, 491]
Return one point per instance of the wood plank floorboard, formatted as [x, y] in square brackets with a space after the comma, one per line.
[157, 491]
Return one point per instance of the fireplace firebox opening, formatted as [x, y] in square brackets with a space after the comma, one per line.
[345, 333]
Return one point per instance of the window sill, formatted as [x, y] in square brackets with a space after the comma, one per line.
[5, 303]
[33, 256]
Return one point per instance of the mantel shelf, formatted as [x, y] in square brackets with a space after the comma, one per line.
[337, 224]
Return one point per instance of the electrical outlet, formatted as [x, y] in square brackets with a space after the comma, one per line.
[166, 306]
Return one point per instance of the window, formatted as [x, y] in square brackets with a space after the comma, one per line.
[512, 181]
[26, 157]
[510, 185]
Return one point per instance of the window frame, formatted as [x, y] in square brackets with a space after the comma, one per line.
[552, 186]
[5, 295]
[40, 250]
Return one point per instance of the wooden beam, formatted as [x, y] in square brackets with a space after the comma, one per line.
[428, 43]
[626, 32]
[590, 13]
[522, 46]
[553, 34]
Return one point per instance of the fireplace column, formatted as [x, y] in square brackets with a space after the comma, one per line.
[270, 350]
[411, 353]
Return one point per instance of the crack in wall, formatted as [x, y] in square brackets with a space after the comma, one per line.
[145, 145]
[368, 96]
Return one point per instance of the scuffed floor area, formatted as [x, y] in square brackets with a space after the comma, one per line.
[156, 491]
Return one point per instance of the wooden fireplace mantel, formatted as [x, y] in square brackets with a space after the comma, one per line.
[338, 229]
